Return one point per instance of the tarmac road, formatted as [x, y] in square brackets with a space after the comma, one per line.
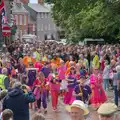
[62, 114]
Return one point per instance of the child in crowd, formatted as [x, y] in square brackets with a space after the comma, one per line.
[38, 116]
[7, 115]
[82, 91]
[40, 92]
[61, 76]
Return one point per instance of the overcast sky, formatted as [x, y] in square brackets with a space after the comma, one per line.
[33, 1]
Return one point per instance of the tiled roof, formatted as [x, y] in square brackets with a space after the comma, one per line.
[38, 7]
[17, 8]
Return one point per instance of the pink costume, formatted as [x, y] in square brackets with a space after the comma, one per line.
[38, 65]
[98, 95]
[54, 88]
[61, 72]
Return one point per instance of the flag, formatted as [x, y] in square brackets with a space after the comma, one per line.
[1, 5]
[4, 17]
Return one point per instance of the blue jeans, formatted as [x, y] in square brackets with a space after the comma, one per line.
[116, 95]
[106, 84]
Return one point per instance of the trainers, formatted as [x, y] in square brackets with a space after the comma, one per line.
[45, 111]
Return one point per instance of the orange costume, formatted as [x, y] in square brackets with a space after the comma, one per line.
[57, 61]
[27, 60]
[68, 67]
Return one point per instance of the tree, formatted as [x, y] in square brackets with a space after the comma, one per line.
[88, 18]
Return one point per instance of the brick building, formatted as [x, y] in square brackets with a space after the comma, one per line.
[21, 16]
[45, 28]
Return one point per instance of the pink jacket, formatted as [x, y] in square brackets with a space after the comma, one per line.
[55, 87]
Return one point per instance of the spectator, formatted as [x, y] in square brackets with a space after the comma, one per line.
[107, 111]
[38, 116]
[78, 110]
[3, 93]
[7, 115]
[4, 80]
[18, 102]
[106, 72]
[116, 84]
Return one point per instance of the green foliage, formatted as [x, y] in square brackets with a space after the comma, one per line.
[88, 18]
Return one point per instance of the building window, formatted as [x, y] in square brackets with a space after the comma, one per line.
[16, 19]
[33, 27]
[42, 15]
[42, 27]
[45, 36]
[25, 20]
[53, 37]
[21, 20]
[49, 27]
[46, 15]
[46, 27]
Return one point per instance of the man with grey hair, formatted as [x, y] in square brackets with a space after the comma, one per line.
[4, 80]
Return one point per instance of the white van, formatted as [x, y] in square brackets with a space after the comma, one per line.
[29, 38]
[88, 41]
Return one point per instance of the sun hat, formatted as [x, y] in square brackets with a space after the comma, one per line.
[78, 104]
[107, 109]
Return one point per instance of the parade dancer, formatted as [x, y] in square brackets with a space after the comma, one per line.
[54, 88]
[40, 92]
[71, 79]
[61, 76]
[98, 94]
[31, 76]
[82, 91]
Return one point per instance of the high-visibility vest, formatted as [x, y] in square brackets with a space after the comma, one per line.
[37, 56]
[2, 79]
[96, 62]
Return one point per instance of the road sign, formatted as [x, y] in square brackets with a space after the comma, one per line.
[6, 30]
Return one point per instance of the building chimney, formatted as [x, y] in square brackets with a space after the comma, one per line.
[40, 1]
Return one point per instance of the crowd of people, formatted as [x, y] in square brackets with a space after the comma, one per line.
[33, 74]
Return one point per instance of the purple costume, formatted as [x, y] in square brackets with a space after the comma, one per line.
[85, 90]
[31, 77]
